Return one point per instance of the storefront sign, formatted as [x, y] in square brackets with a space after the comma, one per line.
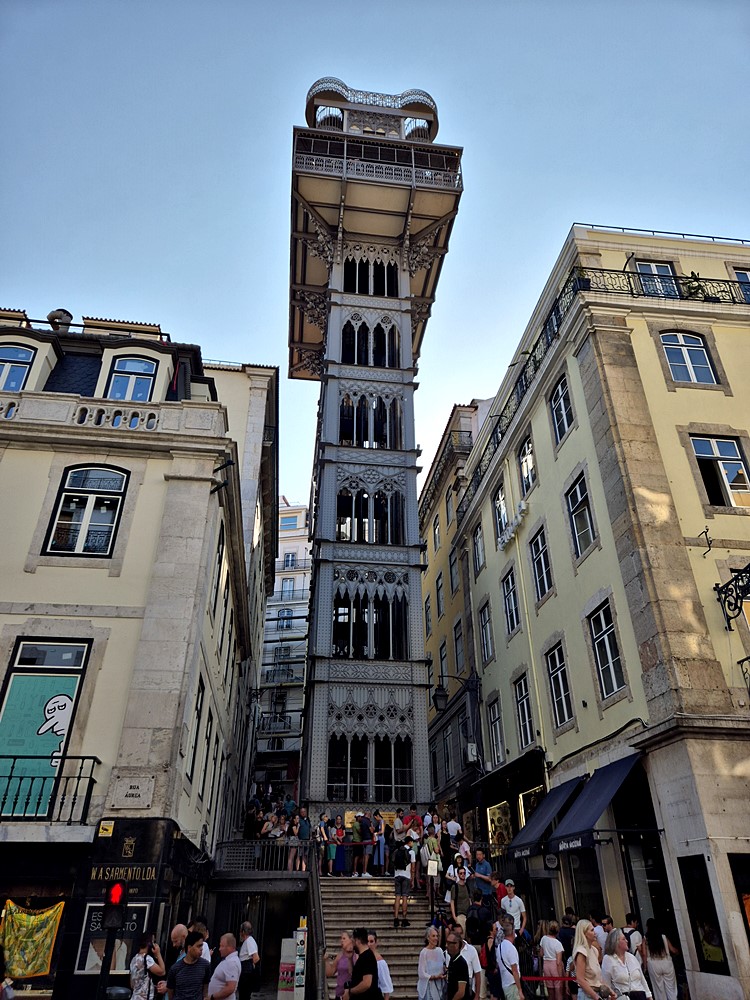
[127, 873]
[94, 938]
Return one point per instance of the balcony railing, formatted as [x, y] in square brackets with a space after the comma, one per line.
[387, 173]
[457, 443]
[57, 790]
[284, 674]
[235, 856]
[280, 722]
[296, 594]
[594, 279]
[282, 564]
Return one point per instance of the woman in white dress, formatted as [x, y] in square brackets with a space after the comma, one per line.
[659, 951]
[622, 971]
[431, 968]
[385, 983]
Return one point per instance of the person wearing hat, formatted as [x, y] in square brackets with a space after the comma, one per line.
[356, 845]
[514, 907]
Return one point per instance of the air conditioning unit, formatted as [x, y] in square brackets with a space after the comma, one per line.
[471, 755]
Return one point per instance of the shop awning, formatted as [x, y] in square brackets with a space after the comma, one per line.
[576, 828]
[528, 841]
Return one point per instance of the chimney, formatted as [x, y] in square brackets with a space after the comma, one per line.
[60, 320]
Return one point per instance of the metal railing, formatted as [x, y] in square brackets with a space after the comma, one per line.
[457, 443]
[388, 173]
[270, 855]
[282, 596]
[284, 674]
[593, 279]
[280, 722]
[298, 564]
[56, 789]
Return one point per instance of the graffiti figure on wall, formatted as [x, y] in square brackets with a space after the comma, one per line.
[58, 713]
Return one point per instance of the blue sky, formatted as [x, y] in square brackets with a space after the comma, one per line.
[147, 159]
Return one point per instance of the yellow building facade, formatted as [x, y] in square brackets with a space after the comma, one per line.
[138, 492]
[604, 518]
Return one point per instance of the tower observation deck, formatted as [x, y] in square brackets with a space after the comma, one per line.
[374, 199]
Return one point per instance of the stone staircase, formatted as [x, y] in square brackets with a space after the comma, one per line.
[357, 902]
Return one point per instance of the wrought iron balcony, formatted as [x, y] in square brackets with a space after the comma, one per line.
[594, 279]
[57, 789]
[284, 673]
[280, 722]
[234, 857]
[296, 594]
[283, 564]
[733, 594]
[457, 443]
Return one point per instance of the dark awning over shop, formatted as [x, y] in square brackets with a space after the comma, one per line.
[576, 828]
[528, 841]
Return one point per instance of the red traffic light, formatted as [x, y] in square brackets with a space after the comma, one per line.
[116, 893]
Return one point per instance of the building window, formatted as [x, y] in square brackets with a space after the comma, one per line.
[206, 753]
[287, 588]
[132, 379]
[288, 522]
[443, 664]
[453, 570]
[448, 751]
[510, 603]
[15, 365]
[427, 616]
[485, 632]
[541, 564]
[434, 764]
[290, 560]
[608, 665]
[657, 279]
[439, 596]
[526, 465]
[87, 512]
[579, 513]
[688, 358]
[477, 540]
[562, 705]
[743, 277]
[449, 507]
[458, 646]
[500, 510]
[495, 727]
[562, 409]
[198, 712]
[436, 533]
[284, 620]
[523, 712]
[723, 471]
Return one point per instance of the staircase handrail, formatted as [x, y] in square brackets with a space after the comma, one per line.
[318, 922]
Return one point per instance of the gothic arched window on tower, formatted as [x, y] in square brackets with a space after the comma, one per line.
[381, 534]
[378, 278]
[362, 424]
[395, 426]
[379, 347]
[361, 517]
[344, 516]
[394, 347]
[397, 519]
[381, 637]
[347, 344]
[346, 421]
[380, 424]
[350, 276]
[363, 345]
[360, 621]
[342, 627]
[391, 280]
[383, 769]
[363, 277]
[338, 760]
[400, 627]
[358, 791]
[403, 770]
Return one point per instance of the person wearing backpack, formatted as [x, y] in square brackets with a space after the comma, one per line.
[478, 920]
[147, 962]
[634, 937]
[402, 861]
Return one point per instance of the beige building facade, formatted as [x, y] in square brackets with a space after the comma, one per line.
[604, 518]
[137, 489]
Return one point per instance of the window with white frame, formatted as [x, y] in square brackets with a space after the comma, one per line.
[510, 602]
[439, 595]
[485, 632]
[723, 470]
[500, 509]
[132, 379]
[562, 409]
[458, 646]
[495, 727]
[477, 541]
[427, 616]
[287, 588]
[87, 512]
[288, 522]
[743, 277]
[579, 514]
[195, 733]
[526, 466]
[606, 651]
[523, 711]
[449, 507]
[657, 279]
[688, 358]
[15, 365]
[443, 663]
[436, 533]
[284, 619]
[448, 751]
[541, 564]
[562, 704]
[290, 560]
[453, 570]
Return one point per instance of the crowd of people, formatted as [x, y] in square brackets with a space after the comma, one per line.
[198, 972]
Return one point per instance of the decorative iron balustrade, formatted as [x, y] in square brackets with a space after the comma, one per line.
[593, 279]
[331, 83]
[388, 173]
[282, 596]
[55, 789]
[235, 856]
[65, 539]
[280, 722]
[282, 563]
[732, 594]
[284, 674]
[458, 443]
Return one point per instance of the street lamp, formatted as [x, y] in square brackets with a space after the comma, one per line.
[440, 694]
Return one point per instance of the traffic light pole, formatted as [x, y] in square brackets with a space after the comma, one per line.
[109, 950]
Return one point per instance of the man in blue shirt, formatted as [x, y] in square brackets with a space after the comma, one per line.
[483, 878]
